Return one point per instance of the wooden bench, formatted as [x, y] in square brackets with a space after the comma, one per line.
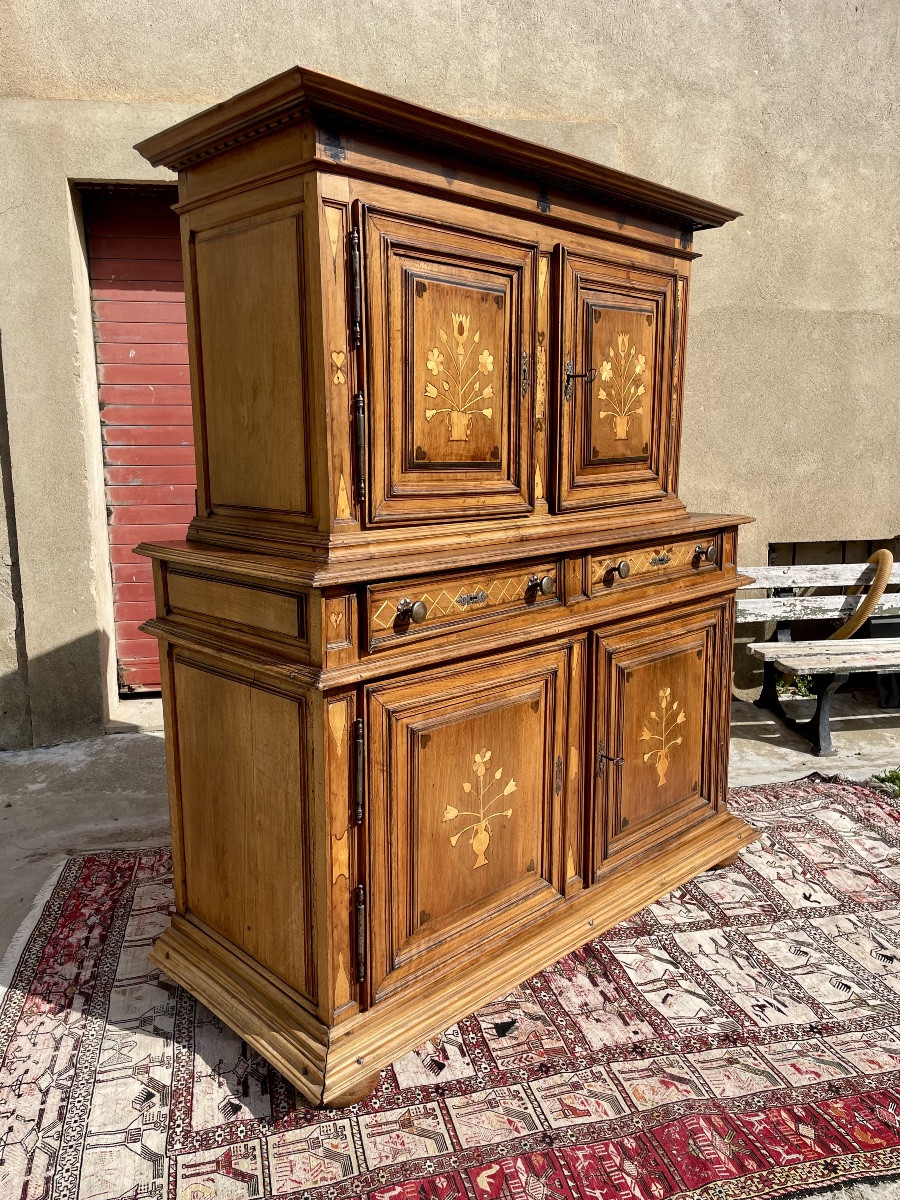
[829, 662]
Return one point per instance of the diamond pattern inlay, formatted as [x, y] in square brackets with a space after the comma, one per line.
[646, 562]
[470, 595]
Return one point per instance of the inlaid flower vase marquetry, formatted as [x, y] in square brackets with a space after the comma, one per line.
[445, 659]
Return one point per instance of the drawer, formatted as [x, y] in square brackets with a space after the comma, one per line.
[237, 607]
[662, 560]
[451, 601]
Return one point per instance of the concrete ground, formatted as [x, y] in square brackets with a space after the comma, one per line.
[763, 750]
[96, 794]
[111, 791]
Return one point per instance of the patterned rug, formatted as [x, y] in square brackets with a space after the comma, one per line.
[741, 1038]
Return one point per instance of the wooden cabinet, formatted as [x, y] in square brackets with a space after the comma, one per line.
[445, 661]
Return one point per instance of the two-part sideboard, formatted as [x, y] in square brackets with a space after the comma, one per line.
[445, 660]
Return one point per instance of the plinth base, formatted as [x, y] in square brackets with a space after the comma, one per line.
[339, 1065]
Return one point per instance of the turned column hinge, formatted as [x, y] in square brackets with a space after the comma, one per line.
[359, 771]
[355, 291]
[359, 444]
[362, 933]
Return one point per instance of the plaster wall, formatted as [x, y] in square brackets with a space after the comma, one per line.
[788, 112]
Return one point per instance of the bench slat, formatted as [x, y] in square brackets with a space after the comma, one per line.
[850, 655]
[817, 575]
[799, 608]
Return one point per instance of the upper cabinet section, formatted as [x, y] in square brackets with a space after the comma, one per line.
[616, 347]
[413, 338]
[450, 326]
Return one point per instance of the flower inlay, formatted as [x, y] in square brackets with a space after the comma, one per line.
[460, 387]
[622, 372]
[667, 722]
[487, 796]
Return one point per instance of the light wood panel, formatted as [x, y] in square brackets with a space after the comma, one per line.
[262, 608]
[245, 803]
[248, 312]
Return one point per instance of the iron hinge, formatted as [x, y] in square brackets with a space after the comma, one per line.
[558, 780]
[355, 291]
[359, 771]
[361, 933]
[359, 441]
[603, 758]
[524, 373]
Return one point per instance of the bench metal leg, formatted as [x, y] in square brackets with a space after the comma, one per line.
[769, 698]
[817, 730]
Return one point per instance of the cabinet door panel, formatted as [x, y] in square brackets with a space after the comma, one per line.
[615, 348]
[467, 807]
[450, 326]
[659, 721]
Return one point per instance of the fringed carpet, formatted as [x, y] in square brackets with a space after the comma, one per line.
[739, 1039]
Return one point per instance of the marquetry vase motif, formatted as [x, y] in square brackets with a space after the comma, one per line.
[622, 372]
[667, 721]
[464, 389]
[488, 792]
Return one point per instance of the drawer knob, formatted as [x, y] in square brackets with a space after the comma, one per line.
[623, 569]
[407, 611]
[707, 552]
[544, 584]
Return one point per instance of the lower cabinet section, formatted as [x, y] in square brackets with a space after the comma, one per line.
[361, 861]
[470, 804]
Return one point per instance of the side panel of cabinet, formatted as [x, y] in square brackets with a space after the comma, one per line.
[243, 779]
[616, 346]
[470, 795]
[450, 326]
[659, 723]
[249, 366]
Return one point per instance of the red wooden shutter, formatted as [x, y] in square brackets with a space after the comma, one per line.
[137, 294]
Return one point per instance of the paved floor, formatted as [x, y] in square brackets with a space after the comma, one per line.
[763, 750]
[97, 794]
[111, 791]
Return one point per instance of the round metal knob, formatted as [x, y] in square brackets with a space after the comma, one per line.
[706, 552]
[545, 584]
[623, 570]
[407, 611]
